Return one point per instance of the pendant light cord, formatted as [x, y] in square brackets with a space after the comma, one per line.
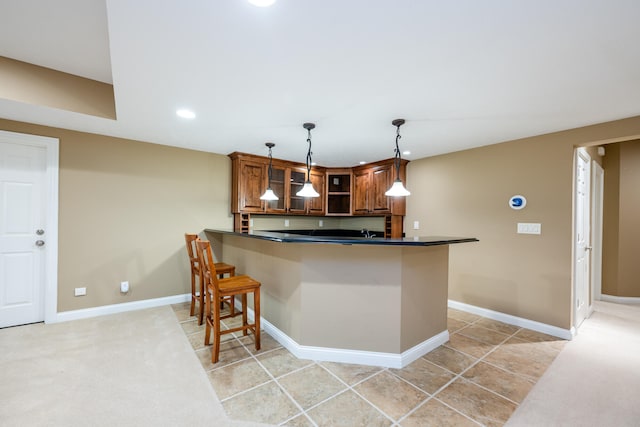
[309, 156]
[398, 158]
[270, 172]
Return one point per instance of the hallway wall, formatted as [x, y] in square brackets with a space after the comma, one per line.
[621, 220]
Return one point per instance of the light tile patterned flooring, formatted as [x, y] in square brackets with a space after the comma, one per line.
[477, 378]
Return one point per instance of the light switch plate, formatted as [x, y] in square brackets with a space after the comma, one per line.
[529, 228]
[286, 222]
[416, 225]
[80, 292]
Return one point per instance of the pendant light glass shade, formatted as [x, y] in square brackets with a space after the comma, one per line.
[307, 189]
[269, 194]
[397, 189]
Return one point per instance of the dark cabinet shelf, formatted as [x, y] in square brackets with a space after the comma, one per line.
[339, 192]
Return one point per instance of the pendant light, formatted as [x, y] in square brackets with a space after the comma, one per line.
[307, 189]
[397, 189]
[269, 194]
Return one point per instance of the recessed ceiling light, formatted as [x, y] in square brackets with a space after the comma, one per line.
[262, 3]
[406, 153]
[186, 114]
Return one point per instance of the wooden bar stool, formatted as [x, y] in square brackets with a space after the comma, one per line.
[220, 288]
[198, 293]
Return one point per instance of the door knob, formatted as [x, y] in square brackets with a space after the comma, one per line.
[39, 242]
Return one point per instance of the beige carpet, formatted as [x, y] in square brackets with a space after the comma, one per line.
[595, 381]
[129, 369]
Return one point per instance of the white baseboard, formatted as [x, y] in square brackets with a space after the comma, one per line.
[619, 300]
[566, 334]
[85, 313]
[360, 357]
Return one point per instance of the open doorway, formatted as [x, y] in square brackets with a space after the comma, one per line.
[621, 223]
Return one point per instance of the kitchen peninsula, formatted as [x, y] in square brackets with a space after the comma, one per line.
[349, 299]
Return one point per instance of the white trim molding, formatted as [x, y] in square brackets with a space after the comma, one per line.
[341, 355]
[85, 313]
[360, 357]
[555, 331]
[619, 300]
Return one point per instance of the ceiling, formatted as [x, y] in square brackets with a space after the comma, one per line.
[462, 73]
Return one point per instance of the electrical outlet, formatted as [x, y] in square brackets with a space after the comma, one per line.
[416, 225]
[286, 222]
[320, 223]
[124, 287]
[80, 292]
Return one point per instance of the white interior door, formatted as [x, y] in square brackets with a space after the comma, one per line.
[23, 233]
[582, 235]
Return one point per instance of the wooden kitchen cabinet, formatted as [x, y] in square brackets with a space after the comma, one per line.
[290, 203]
[361, 184]
[316, 205]
[346, 191]
[371, 181]
[279, 184]
[250, 180]
[248, 184]
[338, 192]
[295, 203]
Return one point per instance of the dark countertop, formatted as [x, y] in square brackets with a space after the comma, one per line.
[341, 240]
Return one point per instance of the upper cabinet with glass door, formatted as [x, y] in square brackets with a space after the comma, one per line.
[347, 191]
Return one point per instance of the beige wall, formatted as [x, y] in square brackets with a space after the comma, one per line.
[466, 194]
[610, 220]
[24, 82]
[621, 219]
[124, 207]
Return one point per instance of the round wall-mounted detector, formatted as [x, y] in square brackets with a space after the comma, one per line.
[517, 202]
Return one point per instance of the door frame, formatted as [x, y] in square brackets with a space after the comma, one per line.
[597, 209]
[50, 279]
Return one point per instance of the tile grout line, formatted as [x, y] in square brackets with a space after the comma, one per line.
[482, 359]
[393, 421]
[429, 396]
[456, 376]
[286, 393]
[269, 374]
[459, 375]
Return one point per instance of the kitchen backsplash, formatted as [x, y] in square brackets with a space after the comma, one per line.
[275, 222]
